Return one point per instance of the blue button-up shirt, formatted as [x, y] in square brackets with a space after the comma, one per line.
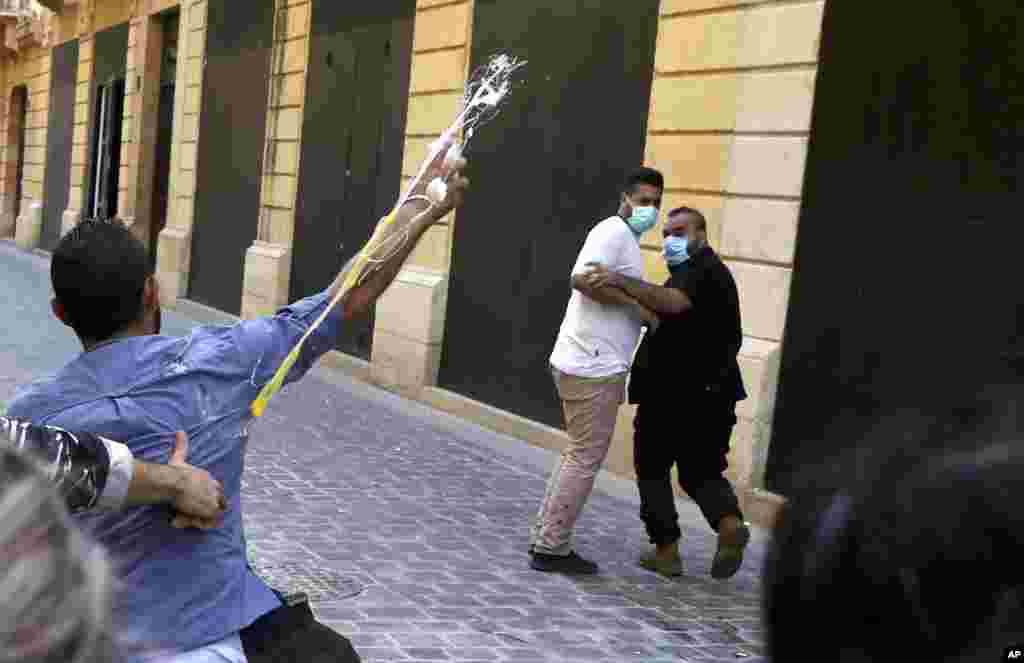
[180, 589]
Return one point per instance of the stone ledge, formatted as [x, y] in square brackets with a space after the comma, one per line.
[173, 253]
[494, 419]
[413, 307]
[202, 313]
[29, 226]
[760, 507]
[353, 367]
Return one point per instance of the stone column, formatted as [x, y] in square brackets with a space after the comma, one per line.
[268, 261]
[37, 58]
[138, 134]
[729, 126]
[174, 250]
[83, 100]
[410, 317]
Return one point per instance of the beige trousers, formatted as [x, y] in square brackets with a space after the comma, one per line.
[590, 406]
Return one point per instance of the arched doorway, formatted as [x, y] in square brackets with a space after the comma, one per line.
[12, 191]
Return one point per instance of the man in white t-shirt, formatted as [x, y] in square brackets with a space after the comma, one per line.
[590, 363]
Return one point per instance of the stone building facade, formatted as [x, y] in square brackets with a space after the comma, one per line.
[728, 123]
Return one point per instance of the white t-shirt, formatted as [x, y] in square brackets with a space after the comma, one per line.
[597, 340]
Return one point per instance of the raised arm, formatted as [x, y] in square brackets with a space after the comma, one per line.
[417, 215]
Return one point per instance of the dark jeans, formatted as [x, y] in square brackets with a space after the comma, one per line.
[691, 432]
[291, 634]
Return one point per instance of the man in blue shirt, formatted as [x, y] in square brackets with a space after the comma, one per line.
[192, 591]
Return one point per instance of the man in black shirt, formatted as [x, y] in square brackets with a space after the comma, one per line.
[686, 383]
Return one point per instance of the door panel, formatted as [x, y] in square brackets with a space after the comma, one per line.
[906, 325]
[59, 138]
[110, 53]
[353, 139]
[19, 111]
[164, 128]
[232, 135]
[550, 167]
[162, 163]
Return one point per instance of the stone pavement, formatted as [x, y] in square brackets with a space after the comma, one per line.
[408, 527]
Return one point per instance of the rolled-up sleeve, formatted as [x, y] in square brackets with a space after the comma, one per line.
[119, 476]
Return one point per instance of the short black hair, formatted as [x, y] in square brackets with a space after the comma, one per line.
[702, 223]
[99, 271]
[643, 176]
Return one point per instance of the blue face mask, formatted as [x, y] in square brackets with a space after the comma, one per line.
[675, 250]
[643, 219]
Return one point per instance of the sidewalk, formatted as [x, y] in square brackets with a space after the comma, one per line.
[408, 527]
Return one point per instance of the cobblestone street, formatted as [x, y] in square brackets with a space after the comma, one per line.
[409, 527]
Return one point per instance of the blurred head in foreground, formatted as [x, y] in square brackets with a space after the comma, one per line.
[54, 586]
[918, 555]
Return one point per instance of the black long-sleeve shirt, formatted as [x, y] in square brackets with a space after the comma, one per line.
[696, 350]
[90, 472]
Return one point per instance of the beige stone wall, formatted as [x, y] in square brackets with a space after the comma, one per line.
[729, 124]
[108, 13]
[66, 27]
[140, 119]
[80, 139]
[268, 261]
[142, 83]
[29, 67]
[440, 64]
[91, 17]
[409, 323]
[174, 249]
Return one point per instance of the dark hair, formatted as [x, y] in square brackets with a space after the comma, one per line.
[702, 223]
[643, 176]
[920, 553]
[99, 271]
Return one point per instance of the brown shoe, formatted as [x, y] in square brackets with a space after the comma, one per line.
[670, 568]
[729, 556]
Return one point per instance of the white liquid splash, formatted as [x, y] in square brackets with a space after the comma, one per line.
[486, 90]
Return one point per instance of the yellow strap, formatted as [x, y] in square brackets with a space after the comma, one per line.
[271, 388]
